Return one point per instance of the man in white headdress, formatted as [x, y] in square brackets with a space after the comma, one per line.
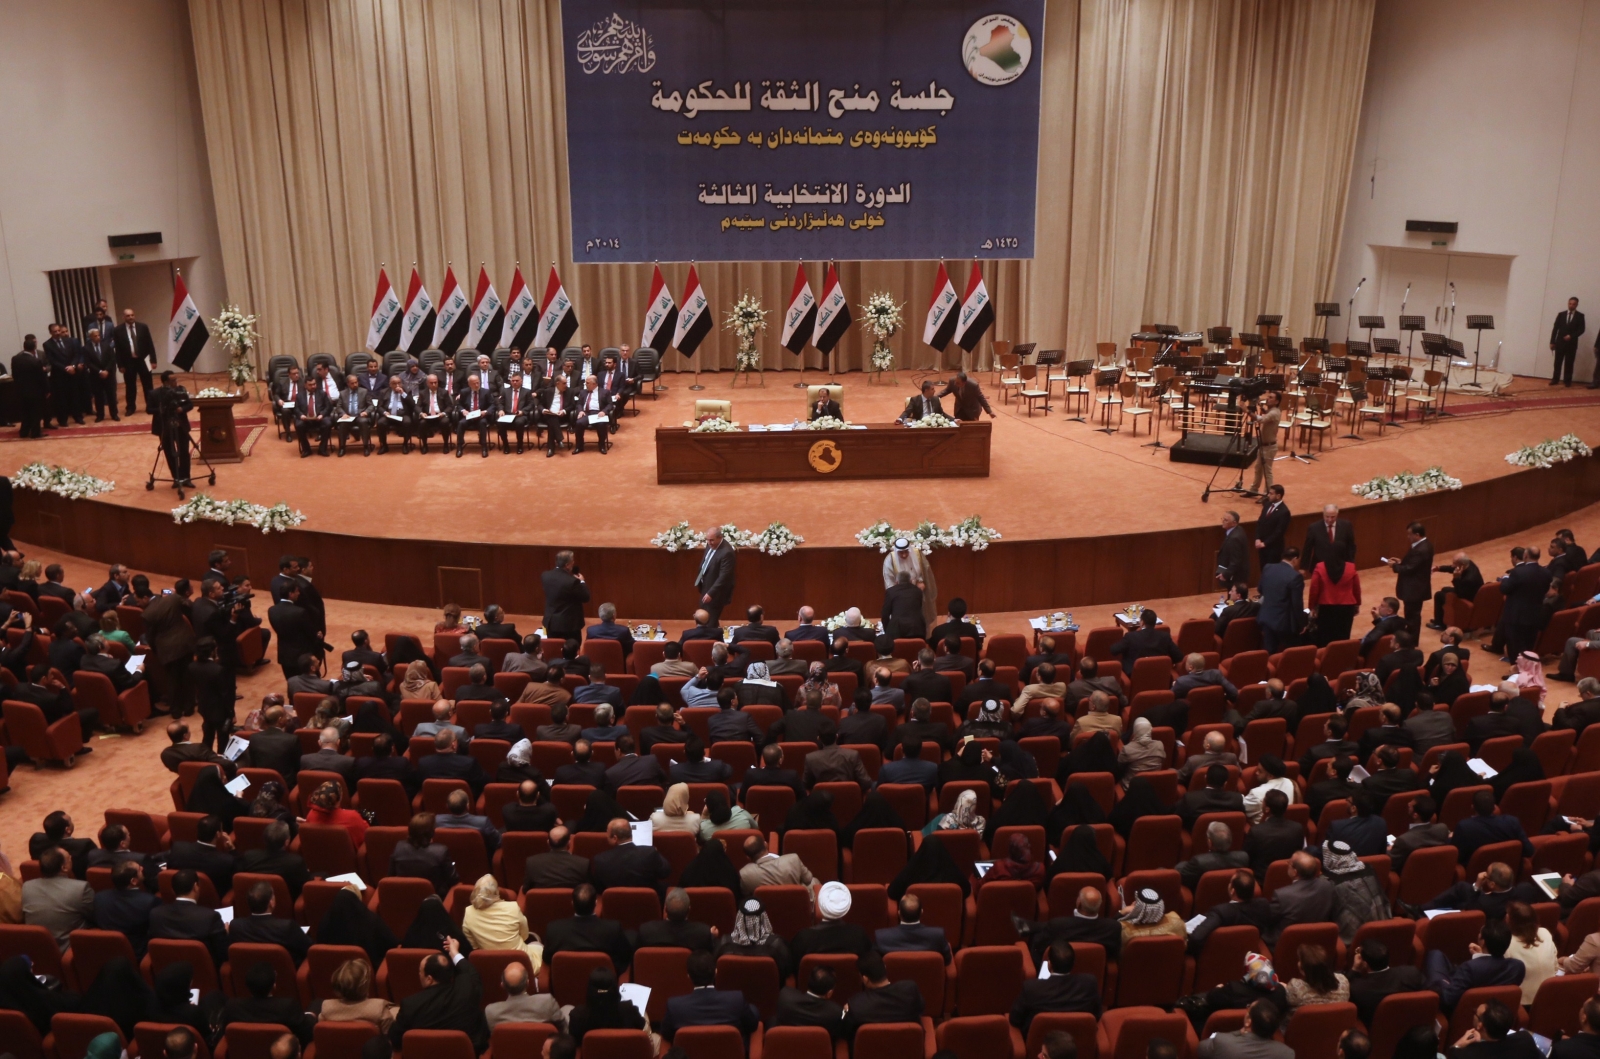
[904, 557]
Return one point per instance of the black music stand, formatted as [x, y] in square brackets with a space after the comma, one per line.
[1326, 310]
[1047, 359]
[1412, 324]
[1220, 337]
[1078, 369]
[1479, 324]
[1372, 323]
[1157, 393]
[1433, 347]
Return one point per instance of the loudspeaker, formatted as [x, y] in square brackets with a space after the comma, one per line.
[138, 239]
[1446, 227]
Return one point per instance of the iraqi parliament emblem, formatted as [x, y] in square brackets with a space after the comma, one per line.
[825, 457]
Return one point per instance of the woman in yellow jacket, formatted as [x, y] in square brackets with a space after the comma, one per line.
[494, 923]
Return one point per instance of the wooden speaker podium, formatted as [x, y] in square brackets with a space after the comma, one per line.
[219, 439]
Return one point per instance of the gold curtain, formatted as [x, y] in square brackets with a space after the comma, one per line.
[1193, 157]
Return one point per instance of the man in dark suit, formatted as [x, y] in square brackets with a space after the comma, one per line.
[902, 609]
[677, 930]
[395, 410]
[879, 1000]
[293, 625]
[586, 932]
[923, 404]
[99, 320]
[533, 810]
[313, 418]
[1485, 827]
[812, 1006]
[261, 1006]
[705, 1004]
[352, 411]
[560, 867]
[593, 411]
[632, 768]
[435, 410]
[1146, 641]
[1564, 334]
[583, 769]
[29, 370]
[808, 629]
[824, 406]
[1488, 966]
[1244, 908]
[1047, 653]
[755, 629]
[1276, 837]
[969, 398]
[608, 629]
[565, 593]
[385, 764]
[557, 410]
[1282, 613]
[100, 368]
[911, 934]
[58, 833]
[1413, 578]
[262, 927]
[925, 682]
[136, 356]
[1309, 898]
[1063, 991]
[1465, 580]
[274, 858]
[625, 864]
[714, 582]
[1498, 722]
[274, 748]
[770, 774]
[1524, 587]
[476, 410]
[210, 854]
[448, 763]
[185, 919]
[1323, 534]
[328, 759]
[182, 749]
[1580, 715]
[451, 998]
[696, 767]
[65, 357]
[521, 405]
[1424, 831]
[126, 907]
[1212, 798]
[1232, 561]
[1374, 978]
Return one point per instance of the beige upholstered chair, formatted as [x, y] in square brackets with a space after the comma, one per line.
[713, 408]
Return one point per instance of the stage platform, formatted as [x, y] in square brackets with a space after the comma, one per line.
[1086, 517]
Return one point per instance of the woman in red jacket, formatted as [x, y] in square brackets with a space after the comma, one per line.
[1334, 597]
[324, 809]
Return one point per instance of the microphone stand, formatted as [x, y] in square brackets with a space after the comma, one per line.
[1352, 314]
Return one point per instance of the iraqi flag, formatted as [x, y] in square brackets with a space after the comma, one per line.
[483, 329]
[453, 319]
[186, 332]
[557, 319]
[416, 326]
[383, 332]
[977, 312]
[833, 314]
[521, 317]
[801, 317]
[660, 317]
[941, 322]
[694, 319]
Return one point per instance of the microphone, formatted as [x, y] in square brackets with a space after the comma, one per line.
[1405, 298]
[1353, 293]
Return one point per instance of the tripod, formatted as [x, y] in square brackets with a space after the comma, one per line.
[1235, 440]
[170, 429]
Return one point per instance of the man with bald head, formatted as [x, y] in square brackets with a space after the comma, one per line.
[808, 629]
[557, 869]
[677, 930]
[183, 749]
[521, 1005]
[1322, 537]
[1310, 898]
[714, 583]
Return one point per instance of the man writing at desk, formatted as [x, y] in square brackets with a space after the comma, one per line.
[969, 398]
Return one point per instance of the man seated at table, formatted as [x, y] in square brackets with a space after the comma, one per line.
[922, 405]
[825, 405]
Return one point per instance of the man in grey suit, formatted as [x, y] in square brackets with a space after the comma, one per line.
[328, 759]
[1309, 899]
[522, 1006]
[57, 902]
[714, 582]
[557, 868]
[1253, 1040]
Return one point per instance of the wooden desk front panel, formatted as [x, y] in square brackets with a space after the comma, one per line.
[879, 451]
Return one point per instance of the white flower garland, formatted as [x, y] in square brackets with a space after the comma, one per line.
[712, 425]
[237, 333]
[970, 532]
[1405, 484]
[827, 423]
[212, 391]
[1548, 453]
[203, 507]
[881, 318]
[747, 319]
[43, 478]
[776, 539]
[933, 422]
[837, 622]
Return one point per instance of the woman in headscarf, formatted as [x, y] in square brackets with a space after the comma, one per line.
[1318, 983]
[1259, 982]
[418, 683]
[1141, 800]
[1023, 807]
[648, 693]
[325, 809]
[373, 717]
[759, 689]
[1077, 806]
[1094, 754]
[963, 817]
[1081, 853]
[603, 1008]
[1319, 696]
[1525, 767]
[931, 863]
[674, 814]
[174, 1000]
[272, 803]
[105, 1046]
[119, 993]
[210, 797]
[711, 867]
[1333, 596]
[1359, 897]
[349, 921]
[1017, 865]
[875, 812]
[1530, 674]
[1016, 763]
[1450, 772]
[1143, 752]
[21, 991]
[720, 816]
[519, 766]
[1450, 682]
[598, 812]
[1148, 916]
[495, 924]
[431, 926]
[752, 935]
[814, 812]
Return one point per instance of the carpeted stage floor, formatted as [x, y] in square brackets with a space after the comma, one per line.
[1050, 477]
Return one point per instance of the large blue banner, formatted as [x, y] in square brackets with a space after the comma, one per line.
[757, 131]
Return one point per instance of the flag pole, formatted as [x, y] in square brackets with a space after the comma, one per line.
[696, 384]
[802, 383]
[833, 354]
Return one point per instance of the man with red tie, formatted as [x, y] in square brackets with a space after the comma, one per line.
[287, 395]
[474, 411]
[517, 405]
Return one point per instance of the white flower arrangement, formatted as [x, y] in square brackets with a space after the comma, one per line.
[1405, 484]
[776, 539]
[970, 532]
[471, 622]
[1548, 453]
[827, 423]
[237, 333]
[202, 507]
[679, 538]
[746, 320]
[74, 485]
[712, 425]
[213, 391]
[837, 622]
[935, 421]
[881, 318]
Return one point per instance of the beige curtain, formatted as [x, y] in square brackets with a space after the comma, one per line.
[1192, 161]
